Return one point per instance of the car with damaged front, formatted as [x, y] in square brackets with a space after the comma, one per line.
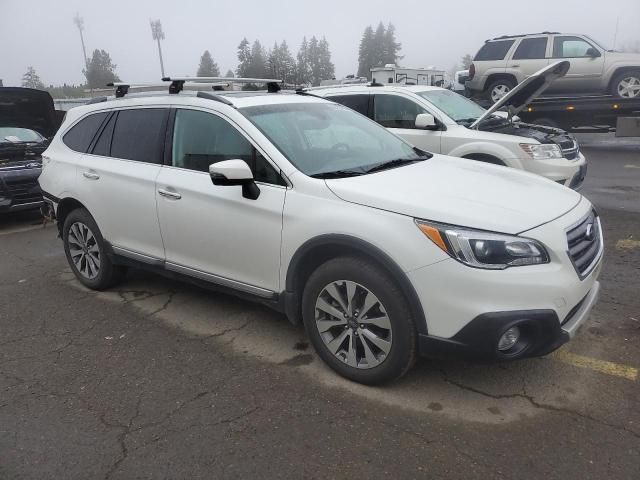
[441, 121]
[382, 250]
[27, 121]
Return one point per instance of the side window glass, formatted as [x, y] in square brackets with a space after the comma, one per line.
[393, 111]
[81, 134]
[359, 103]
[200, 139]
[531, 48]
[103, 145]
[493, 50]
[570, 47]
[139, 135]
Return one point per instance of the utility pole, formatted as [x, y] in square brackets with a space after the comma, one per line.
[158, 34]
[79, 21]
[615, 35]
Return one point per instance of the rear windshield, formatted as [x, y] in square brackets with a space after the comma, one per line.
[494, 50]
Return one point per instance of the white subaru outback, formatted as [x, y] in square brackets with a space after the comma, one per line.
[382, 250]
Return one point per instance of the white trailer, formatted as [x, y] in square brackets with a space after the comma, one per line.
[391, 73]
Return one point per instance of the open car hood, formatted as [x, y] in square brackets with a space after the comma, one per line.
[523, 93]
[28, 108]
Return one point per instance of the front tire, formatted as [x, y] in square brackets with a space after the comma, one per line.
[359, 321]
[626, 85]
[86, 252]
[499, 89]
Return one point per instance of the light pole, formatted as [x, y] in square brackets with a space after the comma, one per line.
[158, 34]
[79, 21]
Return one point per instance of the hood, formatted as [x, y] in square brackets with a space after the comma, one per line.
[461, 192]
[523, 93]
[27, 108]
[632, 58]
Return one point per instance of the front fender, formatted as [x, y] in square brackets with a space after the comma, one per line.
[500, 152]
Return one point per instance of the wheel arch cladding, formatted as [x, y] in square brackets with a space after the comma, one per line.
[318, 250]
[65, 207]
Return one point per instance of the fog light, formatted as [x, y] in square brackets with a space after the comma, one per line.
[509, 339]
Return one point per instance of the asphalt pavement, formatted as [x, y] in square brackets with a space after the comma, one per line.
[160, 379]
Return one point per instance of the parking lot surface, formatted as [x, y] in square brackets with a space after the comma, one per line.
[160, 379]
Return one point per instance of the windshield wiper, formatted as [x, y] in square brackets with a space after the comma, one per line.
[337, 174]
[395, 163]
[466, 120]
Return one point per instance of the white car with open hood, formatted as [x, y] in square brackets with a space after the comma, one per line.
[382, 250]
[441, 121]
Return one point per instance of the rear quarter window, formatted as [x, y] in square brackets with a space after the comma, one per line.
[359, 102]
[494, 50]
[79, 137]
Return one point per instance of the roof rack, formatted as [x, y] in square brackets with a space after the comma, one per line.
[521, 35]
[177, 83]
[346, 85]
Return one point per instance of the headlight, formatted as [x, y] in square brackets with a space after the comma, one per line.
[484, 249]
[544, 151]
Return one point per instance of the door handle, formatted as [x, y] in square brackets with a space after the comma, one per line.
[91, 175]
[515, 66]
[169, 194]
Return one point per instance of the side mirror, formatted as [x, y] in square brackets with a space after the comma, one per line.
[426, 121]
[592, 52]
[235, 172]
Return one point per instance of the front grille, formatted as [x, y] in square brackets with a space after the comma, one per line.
[570, 149]
[585, 244]
[23, 191]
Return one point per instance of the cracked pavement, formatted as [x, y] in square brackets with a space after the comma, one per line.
[160, 379]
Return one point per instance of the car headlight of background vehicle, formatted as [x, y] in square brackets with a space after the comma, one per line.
[543, 151]
[481, 249]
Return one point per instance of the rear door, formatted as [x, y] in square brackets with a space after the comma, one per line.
[585, 73]
[116, 180]
[398, 114]
[529, 56]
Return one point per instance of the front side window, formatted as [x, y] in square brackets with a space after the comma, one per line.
[139, 135]
[570, 47]
[453, 104]
[79, 137]
[201, 138]
[493, 50]
[359, 102]
[393, 111]
[531, 48]
[322, 138]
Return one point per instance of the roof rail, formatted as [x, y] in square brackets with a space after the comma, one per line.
[97, 100]
[215, 98]
[345, 85]
[503, 37]
[122, 88]
[273, 84]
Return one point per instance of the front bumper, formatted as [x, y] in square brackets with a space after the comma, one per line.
[570, 173]
[19, 190]
[541, 333]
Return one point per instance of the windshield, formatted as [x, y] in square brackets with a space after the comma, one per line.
[454, 105]
[321, 138]
[15, 135]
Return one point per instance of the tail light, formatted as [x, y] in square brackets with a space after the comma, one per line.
[472, 71]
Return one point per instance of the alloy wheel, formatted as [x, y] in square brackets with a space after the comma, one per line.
[629, 87]
[353, 324]
[498, 92]
[84, 250]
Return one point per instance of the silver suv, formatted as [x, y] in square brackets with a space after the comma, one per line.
[505, 61]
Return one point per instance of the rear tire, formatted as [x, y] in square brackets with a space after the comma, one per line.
[626, 85]
[86, 252]
[499, 88]
[359, 321]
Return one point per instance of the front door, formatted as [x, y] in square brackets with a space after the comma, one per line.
[210, 231]
[398, 114]
[587, 65]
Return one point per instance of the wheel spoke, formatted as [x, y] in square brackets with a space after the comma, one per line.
[383, 345]
[325, 325]
[372, 361]
[335, 344]
[78, 261]
[370, 300]
[352, 361]
[351, 293]
[382, 322]
[332, 290]
[323, 305]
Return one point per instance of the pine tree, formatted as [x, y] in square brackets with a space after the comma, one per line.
[244, 58]
[100, 70]
[288, 64]
[314, 61]
[258, 63]
[378, 48]
[365, 57]
[326, 68]
[391, 46]
[229, 74]
[466, 61]
[303, 70]
[208, 68]
[31, 79]
[274, 66]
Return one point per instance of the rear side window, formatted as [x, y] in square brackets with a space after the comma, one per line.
[81, 134]
[359, 103]
[139, 135]
[531, 48]
[393, 111]
[494, 50]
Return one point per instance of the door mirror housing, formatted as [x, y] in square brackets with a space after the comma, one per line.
[235, 172]
[426, 121]
[592, 52]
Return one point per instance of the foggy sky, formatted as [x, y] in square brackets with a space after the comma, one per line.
[41, 33]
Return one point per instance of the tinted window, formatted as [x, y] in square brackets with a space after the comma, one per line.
[200, 139]
[494, 50]
[359, 103]
[568, 47]
[103, 145]
[392, 111]
[139, 135]
[531, 48]
[80, 136]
